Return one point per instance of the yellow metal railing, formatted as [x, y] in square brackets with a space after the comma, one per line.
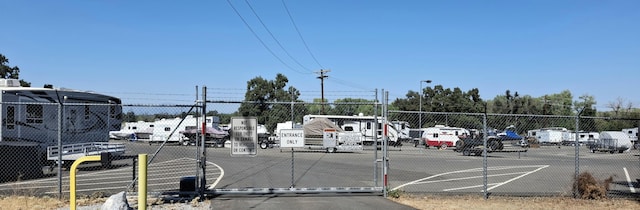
[142, 179]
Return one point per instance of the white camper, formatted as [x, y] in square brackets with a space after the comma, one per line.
[403, 129]
[369, 126]
[584, 137]
[551, 135]
[443, 136]
[133, 131]
[169, 129]
[612, 141]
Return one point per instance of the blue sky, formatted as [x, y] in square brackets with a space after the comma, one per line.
[149, 51]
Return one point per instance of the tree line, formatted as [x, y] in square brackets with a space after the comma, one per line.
[270, 102]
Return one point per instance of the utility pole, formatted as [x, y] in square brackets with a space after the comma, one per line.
[321, 77]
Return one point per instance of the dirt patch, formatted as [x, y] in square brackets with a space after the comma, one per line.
[496, 202]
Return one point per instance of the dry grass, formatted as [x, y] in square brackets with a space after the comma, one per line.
[590, 188]
[495, 202]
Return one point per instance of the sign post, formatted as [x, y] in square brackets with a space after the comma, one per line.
[292, 138]
[244, 136]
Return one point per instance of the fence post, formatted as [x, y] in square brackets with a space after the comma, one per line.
[577, 156]
[484, 155]
[375, 137]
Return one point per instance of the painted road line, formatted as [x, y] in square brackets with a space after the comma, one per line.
[631, 188]
[518, 177]
[469, 187]
[469, 177]
[466, 171]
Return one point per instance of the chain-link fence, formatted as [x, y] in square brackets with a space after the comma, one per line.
[416, 152]
[526, 155]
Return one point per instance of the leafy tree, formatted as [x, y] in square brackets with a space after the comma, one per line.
[266, 100]
[8, 72]
[585, 107]
[352, 106]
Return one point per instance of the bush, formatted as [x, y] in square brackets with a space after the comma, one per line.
[590, 188]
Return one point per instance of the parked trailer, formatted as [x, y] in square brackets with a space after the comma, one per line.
[30, 125]
[611, 141]
[551, 136]
[443, 136]
[371, 127]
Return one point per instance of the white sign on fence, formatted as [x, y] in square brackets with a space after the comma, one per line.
[244, 136]
[292, 138]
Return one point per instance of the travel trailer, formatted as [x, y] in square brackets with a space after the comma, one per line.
[404, 130]
[133, 131]
[36, 120]
[169, 130]
[443, 136]
[369, 126]
[551, 135]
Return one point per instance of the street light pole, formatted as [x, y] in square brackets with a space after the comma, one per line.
[420, 93]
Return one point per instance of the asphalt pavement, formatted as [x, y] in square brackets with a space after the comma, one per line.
[307, 202]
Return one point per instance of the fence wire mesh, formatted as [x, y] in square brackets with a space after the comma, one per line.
[428, 152]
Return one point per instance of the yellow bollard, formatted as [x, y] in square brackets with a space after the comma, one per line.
[72, 177]
[142, 181]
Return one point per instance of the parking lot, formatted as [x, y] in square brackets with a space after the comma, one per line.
[539, 171]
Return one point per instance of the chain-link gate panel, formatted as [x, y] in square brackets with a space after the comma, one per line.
[443, 156]
[311, 168]
[525, 155]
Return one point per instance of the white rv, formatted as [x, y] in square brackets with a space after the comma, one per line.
[584, 137]
[133, 131]
[169, 129]
[551, 135]
[369, 126]
[443, 136]
[34, 120]
[632, 133]
[403, 128]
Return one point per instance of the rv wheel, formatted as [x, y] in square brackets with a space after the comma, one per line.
[331, 149]
[263, 145]
[443, 146]
[466, 152]
[184, 142]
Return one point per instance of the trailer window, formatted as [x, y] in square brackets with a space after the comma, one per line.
[87, 112]
[34, 113]
[11, 114]
[112, 111]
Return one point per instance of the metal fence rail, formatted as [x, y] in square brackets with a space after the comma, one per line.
[410, 151]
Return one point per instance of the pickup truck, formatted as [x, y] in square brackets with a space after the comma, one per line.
[476, 145]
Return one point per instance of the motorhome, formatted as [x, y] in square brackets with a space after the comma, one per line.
[36, 120]
[369, 126]
[442, 136]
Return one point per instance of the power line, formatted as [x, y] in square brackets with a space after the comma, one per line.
[258, 37]
[300, 35]
[274, 38]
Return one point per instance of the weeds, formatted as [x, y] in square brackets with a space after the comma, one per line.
[590, 188]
